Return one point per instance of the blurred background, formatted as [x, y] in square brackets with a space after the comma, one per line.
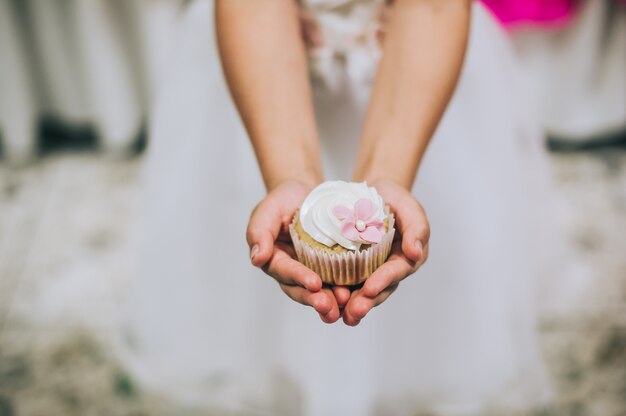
[77, 79]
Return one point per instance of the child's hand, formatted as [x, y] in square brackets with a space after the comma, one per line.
[408, 253]
[271, 250]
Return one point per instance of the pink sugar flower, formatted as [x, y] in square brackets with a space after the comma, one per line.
[359, 224]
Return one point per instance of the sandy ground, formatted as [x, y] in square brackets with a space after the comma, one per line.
[67, 239]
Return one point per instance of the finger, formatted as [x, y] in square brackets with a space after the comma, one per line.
[392, 271]
[322, 302]
[334, 314]
[425, 256]
[414, 228]
[288, 271]
[342, 294]
[360, 305]
[263, 229]
[348, 318]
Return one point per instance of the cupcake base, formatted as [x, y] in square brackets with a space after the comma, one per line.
[345, 268]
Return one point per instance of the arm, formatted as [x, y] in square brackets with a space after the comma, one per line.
[423, 52]
[264, 63]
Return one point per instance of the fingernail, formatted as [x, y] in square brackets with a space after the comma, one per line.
[254, 251]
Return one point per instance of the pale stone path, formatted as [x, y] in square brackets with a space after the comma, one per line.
[68, 240]
[584, 337]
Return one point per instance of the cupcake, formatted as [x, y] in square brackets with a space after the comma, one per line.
[343, 232]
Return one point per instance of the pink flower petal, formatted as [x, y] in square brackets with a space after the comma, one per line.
[349, 231]
[371, 235]
[378, 224]
[364, 209]
[342, 212]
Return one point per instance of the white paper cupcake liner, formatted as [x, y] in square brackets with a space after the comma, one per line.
[347, 268]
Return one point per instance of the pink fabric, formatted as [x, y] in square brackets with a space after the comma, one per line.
[534, 12]
[513, 13]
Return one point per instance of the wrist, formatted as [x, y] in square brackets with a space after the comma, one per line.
[376, 177]
[309, 179]
[379, 160]
[286, 161]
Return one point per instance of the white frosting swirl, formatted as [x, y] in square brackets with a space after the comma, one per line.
[316, 213]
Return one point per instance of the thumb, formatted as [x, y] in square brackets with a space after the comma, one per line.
[263, 228]
[415, 230]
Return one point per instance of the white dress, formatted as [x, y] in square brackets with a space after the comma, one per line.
[578, 74]
[456, 338]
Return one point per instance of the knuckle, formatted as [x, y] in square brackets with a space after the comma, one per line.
[324, 302]
[372, 289]
[284, 268]
[360, 309]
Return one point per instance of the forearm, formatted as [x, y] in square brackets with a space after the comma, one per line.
[264, 63]
[422, 57]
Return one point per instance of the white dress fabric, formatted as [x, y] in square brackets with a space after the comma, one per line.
[457, 338]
